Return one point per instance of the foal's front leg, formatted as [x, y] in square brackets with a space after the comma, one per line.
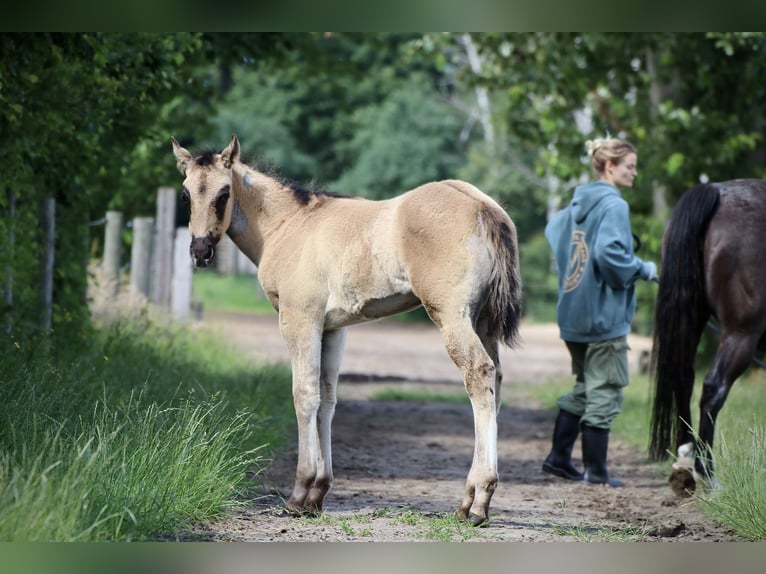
[332, 352]
[304, 343]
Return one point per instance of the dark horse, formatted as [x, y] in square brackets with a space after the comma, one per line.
[713, 265]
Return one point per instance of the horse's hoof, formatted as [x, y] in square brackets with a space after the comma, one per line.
[478, 521]
[294, 510]
[682, 482]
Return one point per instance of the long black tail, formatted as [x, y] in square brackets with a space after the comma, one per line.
[680, 312]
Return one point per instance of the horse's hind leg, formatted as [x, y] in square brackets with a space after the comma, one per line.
[478, 369]
[734, 354]
[332, 352]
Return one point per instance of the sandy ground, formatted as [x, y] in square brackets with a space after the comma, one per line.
[395, 457]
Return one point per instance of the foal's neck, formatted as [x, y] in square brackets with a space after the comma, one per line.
[265, 204]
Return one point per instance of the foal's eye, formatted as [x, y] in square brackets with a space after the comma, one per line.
[220, 201]
[222, 198]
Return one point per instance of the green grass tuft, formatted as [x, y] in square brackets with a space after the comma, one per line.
[139, 435]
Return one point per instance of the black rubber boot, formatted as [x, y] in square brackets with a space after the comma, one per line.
[559, 461]
[595, 442]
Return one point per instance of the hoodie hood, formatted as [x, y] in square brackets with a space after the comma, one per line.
[588, 196]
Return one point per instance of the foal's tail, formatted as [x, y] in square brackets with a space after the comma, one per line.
[504, 303]
[680, 312]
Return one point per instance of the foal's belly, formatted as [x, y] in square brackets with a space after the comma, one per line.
[370, 309]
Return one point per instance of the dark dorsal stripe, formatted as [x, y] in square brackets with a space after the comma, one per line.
[303, 196]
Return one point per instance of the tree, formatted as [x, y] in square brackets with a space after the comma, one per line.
[72, 107]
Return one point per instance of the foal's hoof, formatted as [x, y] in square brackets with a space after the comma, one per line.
[682, 482]
[473, 519]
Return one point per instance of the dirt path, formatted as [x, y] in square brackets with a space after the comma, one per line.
[390, 457]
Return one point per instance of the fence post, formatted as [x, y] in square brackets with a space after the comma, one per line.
[225, 253]
[112, 247]
[141, 255]
[182, 277]
[48, 225]
[162, 262]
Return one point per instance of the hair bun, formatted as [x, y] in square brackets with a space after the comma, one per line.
[593, 145]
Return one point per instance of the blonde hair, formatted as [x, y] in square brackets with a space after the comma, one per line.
[602, 150]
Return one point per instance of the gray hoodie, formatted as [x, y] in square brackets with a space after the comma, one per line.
[592, 243]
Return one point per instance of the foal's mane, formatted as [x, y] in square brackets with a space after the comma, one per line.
[302, 195]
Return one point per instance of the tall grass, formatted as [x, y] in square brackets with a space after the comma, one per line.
[140, 434]
[739, 448]
[739, 499]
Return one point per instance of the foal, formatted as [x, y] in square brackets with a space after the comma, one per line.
[326, 262]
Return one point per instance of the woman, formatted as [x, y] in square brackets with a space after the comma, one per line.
[592, 243]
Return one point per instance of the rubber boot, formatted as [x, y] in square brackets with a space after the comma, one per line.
[559, 461]
[595, 442]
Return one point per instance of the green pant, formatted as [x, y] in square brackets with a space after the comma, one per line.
[601, 371]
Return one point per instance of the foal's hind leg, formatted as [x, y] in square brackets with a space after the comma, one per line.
[491, 345]
[479, 375]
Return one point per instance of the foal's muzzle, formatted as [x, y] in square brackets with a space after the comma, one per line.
[202, 250]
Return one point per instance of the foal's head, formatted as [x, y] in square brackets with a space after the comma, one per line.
[206, 192]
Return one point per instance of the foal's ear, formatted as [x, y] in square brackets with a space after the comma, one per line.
[183, 157]
[231, 153]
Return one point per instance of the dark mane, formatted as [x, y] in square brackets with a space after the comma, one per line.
[205, 158]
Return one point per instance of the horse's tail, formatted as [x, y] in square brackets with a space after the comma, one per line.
[504, 305]
[679, 312]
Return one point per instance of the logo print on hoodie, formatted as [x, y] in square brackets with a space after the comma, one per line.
[578, 260]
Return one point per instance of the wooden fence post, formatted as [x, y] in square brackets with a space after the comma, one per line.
[182, 277]
[112, 248]
[48, 226]
[162, 262]
[141, 255]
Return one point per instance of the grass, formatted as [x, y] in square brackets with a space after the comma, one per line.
[233, 293]
[739, 455]
[741, 498]
[598, 533]
[243, 294]
[396, 394]
[138, 433]
[435, 527]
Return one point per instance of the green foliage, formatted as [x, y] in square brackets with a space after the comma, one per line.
[407, 140]
[72, 107]
[539, 279]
